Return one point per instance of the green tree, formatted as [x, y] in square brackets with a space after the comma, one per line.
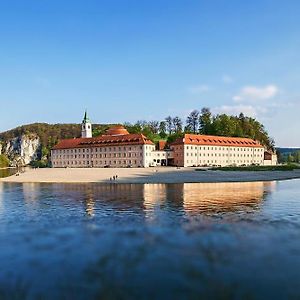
[192, 122]
[177, 124]
[154, 126]
[162, 129]
[205, 121]
[169, 124]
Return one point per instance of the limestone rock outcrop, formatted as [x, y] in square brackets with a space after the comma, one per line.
[22, 150]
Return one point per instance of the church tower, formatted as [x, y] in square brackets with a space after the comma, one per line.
[86, 127]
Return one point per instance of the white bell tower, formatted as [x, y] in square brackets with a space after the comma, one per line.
[86, 127]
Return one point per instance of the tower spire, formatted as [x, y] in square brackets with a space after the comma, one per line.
[86, 126]
[86, 118]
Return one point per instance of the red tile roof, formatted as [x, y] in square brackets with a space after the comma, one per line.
[117, 130]
[162, 144]
[212, 140]
[104, 140]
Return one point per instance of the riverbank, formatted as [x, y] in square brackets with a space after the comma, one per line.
[147, 175]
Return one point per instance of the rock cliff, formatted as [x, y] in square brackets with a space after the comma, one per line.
[22, 150]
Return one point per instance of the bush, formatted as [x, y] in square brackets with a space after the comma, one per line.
[39, 164]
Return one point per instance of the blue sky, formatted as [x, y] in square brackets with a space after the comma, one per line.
[132, 60]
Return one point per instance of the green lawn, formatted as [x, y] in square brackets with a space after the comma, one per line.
[289, 167]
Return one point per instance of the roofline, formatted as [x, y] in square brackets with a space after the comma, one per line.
[85, 142]
[182, 141]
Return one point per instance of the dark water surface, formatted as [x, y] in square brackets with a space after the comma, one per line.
[152, 241]
[7, 172]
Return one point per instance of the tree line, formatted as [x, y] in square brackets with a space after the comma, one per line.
[289, 157]
[203, 122]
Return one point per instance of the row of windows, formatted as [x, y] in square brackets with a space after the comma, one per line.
[98, 162]
[223, 154]
[226, 148]
[99, 149]
[250, 149]
[87, 156]
[220, 162]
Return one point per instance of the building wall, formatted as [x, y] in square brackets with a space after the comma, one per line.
[158, 155]
[272, 161]
[113, 156]
[194, 155]
[146, 156]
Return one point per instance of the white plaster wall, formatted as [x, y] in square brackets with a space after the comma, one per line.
[194, 155]
[114, 156]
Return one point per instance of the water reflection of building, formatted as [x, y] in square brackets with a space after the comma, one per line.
[152, 200]
[32, 197]
[154, 196]
[205, 197]
[107, 196]
[218, 197]
[89, 202]
[31, 192]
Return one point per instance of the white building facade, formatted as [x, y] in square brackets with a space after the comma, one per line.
[202, 150]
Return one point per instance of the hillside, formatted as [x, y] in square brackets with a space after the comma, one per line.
[287, 151]
[49, 134]
[32, 143]
[288, 155]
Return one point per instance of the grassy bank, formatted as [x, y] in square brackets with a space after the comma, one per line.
[289, 167]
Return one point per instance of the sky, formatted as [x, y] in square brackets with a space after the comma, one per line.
[129, 60]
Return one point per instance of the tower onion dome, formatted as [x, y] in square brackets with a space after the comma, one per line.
[117, 130]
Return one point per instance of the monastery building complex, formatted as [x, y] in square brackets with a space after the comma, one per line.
[118, 148]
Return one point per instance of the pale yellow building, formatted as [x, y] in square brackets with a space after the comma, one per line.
[206, 150]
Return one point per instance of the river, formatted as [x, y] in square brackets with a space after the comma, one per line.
[150, 241]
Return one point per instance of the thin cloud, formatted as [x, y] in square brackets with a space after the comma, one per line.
[235, 110]
[253, 93]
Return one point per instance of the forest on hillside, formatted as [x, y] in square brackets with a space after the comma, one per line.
[50, 134]
[204, 122]
[172, 127]
[288, 155]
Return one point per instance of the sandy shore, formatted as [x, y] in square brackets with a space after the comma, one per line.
[149, 175]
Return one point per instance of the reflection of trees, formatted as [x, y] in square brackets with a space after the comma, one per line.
[5, 173]
[1, 197]
[10, 171]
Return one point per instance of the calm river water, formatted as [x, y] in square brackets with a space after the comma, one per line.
[152, 241]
